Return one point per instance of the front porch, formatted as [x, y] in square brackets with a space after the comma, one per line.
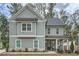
[55, 44]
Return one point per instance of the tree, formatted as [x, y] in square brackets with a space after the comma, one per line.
[14, 7]
[75, 18]
[63, 16]
[50, 9]
[4, 31]
[72, 47]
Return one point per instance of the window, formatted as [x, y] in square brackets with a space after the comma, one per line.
[28, 27]
[36, 44]
[57, 31]
[18, 43]
[23, 27]
[48, 30]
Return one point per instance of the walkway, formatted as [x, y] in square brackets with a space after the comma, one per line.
[16, 53]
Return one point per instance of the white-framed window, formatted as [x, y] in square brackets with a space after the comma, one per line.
[35, 44]
[28, 27]
[18, 43]
[48, 30]
[57, 30]
[25, 27]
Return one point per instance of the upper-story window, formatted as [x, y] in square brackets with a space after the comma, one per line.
[23, 27]
[26, 27]
[57, 31]
[48, 30]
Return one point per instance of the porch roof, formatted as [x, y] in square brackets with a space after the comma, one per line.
[55, 36]
[26, 37]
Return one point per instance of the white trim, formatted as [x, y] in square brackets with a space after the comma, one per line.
[55, 38]
[33, 44]
[20, 43]
[27, 36]
[26, 27]
[27, 21]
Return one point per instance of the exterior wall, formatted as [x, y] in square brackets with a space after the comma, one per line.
[27, 43]
[19, 31]
[40, 28]
[53, 31]
[12, 28]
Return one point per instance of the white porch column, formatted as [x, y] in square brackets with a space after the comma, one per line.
[63, 44]
[67, 44]
[56, 44]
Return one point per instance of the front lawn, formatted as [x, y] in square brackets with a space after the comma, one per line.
[64, 54]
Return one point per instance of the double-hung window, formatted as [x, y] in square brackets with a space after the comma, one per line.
[26, 27]
[18, 43]
[48, 30]
[57, 31]
[23, 27]
[36, 44]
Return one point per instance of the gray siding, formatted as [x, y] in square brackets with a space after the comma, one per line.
[27, 43]
[26, 33]
[40, 30]
[12, 28]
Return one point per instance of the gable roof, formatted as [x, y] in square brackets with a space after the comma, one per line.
[54, 21]
[22, 9]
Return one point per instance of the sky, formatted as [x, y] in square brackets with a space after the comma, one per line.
[67, 7]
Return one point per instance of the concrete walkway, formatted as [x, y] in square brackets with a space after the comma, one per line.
[2, 51]
[15, 53]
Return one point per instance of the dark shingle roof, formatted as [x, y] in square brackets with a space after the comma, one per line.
[54, 21]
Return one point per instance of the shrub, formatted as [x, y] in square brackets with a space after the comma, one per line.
[13, 50]
[72, 47]
[68, 51]
[26, 49]
[35, 50]
[60, 51]
[19, 50]
[77, 52]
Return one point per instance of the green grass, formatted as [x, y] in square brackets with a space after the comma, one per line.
[64, 54]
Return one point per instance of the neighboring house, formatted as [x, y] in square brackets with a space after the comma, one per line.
[28, 29]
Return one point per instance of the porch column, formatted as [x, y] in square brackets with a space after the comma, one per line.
[63, 44]
[67, 44]
[56, 44]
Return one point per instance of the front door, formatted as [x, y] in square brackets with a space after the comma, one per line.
[51, 45]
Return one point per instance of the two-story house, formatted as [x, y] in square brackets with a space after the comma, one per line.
[29, 29]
